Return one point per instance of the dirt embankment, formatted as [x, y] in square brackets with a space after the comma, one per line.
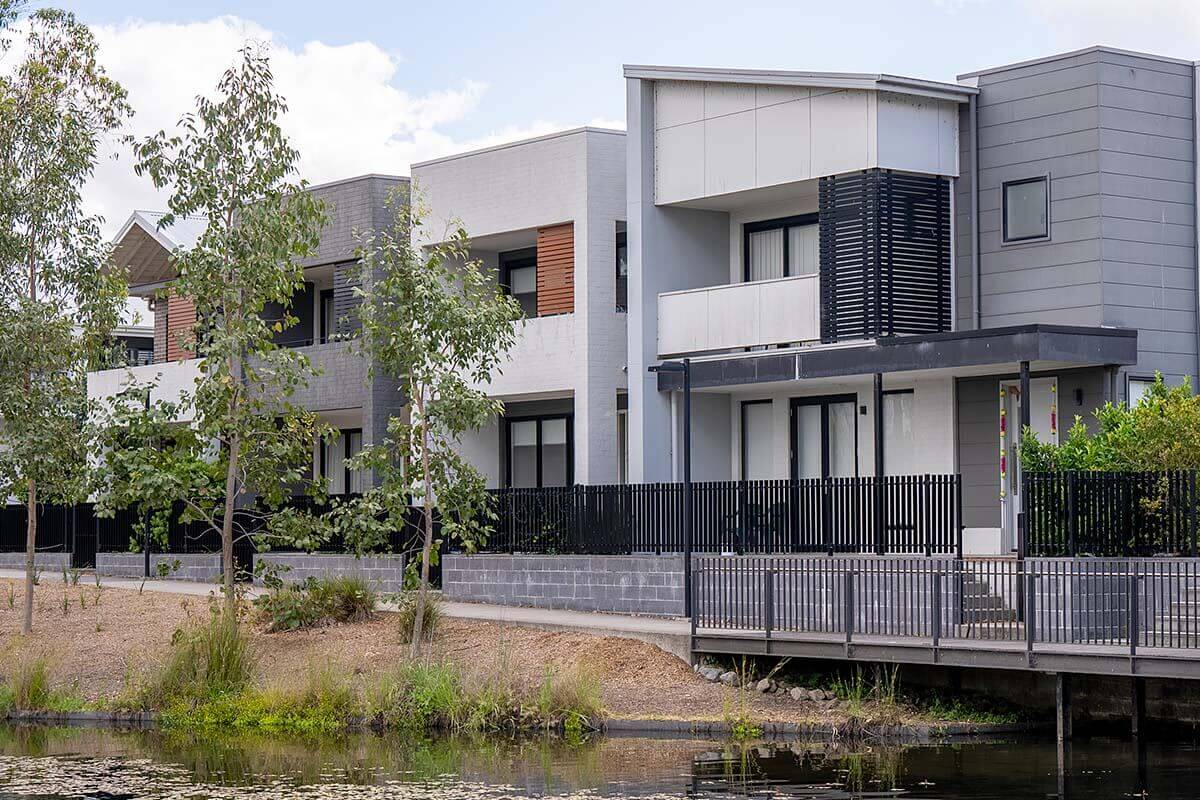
[95, 638]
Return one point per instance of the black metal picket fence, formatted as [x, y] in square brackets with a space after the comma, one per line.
[1111, 513]
[917, 514]
[78, 530]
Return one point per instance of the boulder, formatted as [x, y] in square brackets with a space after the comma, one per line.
[799, 694]
[710, 673]
[816, 695]
[729, 678]
[763, 686]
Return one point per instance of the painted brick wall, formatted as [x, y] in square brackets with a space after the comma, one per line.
[648, 584]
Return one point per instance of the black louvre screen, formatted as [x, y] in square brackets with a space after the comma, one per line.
[345, 300]
[885, 255]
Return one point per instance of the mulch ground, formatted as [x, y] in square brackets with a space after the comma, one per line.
[96, 638]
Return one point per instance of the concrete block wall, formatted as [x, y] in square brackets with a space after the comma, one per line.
[386, 572]
[639, 584]
[196, 567]
[42, 561]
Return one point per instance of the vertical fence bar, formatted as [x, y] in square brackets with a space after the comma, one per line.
[768, 599]
[1132, 626]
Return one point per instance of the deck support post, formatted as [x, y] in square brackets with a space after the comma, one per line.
[1062, 705]
[1137, 703]
[880, 517]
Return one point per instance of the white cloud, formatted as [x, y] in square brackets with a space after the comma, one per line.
[1163, 27]
[348, 111]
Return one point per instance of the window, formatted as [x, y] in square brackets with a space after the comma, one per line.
[539, 452]
[328, 316]
[1137, 389]
[899, 443]
[622, 268]
[1027, 209]
[825, 436]
[334, 454]
[622, 447]
[518, 274]
[781, 248]
[757, 440]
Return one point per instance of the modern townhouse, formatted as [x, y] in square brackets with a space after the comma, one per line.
[881, 275]
[547, 214]
[341, 394]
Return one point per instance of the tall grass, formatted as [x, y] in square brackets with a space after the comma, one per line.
[205, 662]
[317, 601]
[29, 687]
[406, 608]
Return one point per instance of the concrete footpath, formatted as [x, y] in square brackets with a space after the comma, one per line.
[669, 634]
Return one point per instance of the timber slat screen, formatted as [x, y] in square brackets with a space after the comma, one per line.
[921, 515]
[1111, 513]
[1115, 603]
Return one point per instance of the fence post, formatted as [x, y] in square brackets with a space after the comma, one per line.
[937, 610]
[1027, 580]
[1191, 512]
[1072, 512]
[826, 485]
[958, 515]
[768, 600]
[848, 608]
[1133, 609]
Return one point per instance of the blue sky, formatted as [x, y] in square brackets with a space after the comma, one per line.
[562, 59]
[375, 86]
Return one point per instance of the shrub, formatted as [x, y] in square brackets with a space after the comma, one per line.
[406, 603]
[317, 601]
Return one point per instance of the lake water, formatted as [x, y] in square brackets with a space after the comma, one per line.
[61, 763]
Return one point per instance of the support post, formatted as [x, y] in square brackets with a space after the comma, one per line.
[1137, 698]
[1132, 623]
[1062, 705]
[1025, 415]
[937, 612]
[768, 602]
[687, 486]
[880, 516]
[848, 608]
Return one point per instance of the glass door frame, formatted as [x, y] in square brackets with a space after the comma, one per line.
[824, 401]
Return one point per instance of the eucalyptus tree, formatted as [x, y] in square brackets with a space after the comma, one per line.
[438, 324]
[231, 164]
[58, 302]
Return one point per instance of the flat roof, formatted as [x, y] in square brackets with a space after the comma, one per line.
[832, 80]
[1098, 48]
[519, 143]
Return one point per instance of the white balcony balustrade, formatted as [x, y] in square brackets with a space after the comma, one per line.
[739, 315]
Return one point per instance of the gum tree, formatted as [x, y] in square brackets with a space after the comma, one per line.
[438, 324]
[58, 303]
[231, 164]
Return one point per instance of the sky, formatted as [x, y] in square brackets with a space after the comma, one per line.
[375, 85]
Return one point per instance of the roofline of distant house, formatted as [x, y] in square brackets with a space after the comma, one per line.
[519, 143]
[1098, 48]
[828, 80]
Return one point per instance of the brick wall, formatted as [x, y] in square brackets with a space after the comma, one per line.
[43, 561]
[195, 567]
[628, 584]
[386, 571]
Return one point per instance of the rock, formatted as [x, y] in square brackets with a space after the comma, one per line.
[710, 673]
[763, 686]
[729, 678]
[816, 695]
[798, 694]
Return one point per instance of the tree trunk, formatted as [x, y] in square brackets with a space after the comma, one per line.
[227, 574]
[426, 549]
[30, 552]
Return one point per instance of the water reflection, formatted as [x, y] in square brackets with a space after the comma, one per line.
[61, 763]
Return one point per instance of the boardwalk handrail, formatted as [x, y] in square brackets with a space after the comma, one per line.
[1125, 604]
[922, 515]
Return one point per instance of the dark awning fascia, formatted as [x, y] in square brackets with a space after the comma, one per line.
[1059, 343]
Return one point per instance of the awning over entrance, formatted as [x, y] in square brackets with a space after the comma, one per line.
[1060, 345]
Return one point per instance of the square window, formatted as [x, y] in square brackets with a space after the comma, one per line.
[1027, 209]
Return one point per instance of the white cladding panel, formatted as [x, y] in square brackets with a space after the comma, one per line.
[739, 315]
[714, 139]
[169, 379]
[543, 360]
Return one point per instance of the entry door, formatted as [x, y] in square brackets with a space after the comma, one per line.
[824, 436]
[1043, 419]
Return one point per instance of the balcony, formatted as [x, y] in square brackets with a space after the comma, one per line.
[170, 380]
[739, 315]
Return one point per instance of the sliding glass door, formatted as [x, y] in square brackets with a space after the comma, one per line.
[825, 436]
